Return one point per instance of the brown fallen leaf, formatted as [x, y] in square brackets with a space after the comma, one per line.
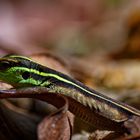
[56, 126]
[54, 120]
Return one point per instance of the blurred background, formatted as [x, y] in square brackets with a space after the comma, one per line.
[67, 27]
[95, 41]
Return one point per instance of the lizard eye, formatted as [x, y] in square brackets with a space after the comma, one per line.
[26, 75]
[4, 65]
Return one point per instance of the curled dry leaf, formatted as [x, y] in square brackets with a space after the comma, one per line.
[58, 123]
[56, 126]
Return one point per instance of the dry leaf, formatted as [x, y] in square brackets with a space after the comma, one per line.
[56, 127]
[60, 119]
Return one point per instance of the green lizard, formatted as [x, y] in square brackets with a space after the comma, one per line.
[20, 71]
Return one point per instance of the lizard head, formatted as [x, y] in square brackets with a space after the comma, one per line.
[19, 71]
